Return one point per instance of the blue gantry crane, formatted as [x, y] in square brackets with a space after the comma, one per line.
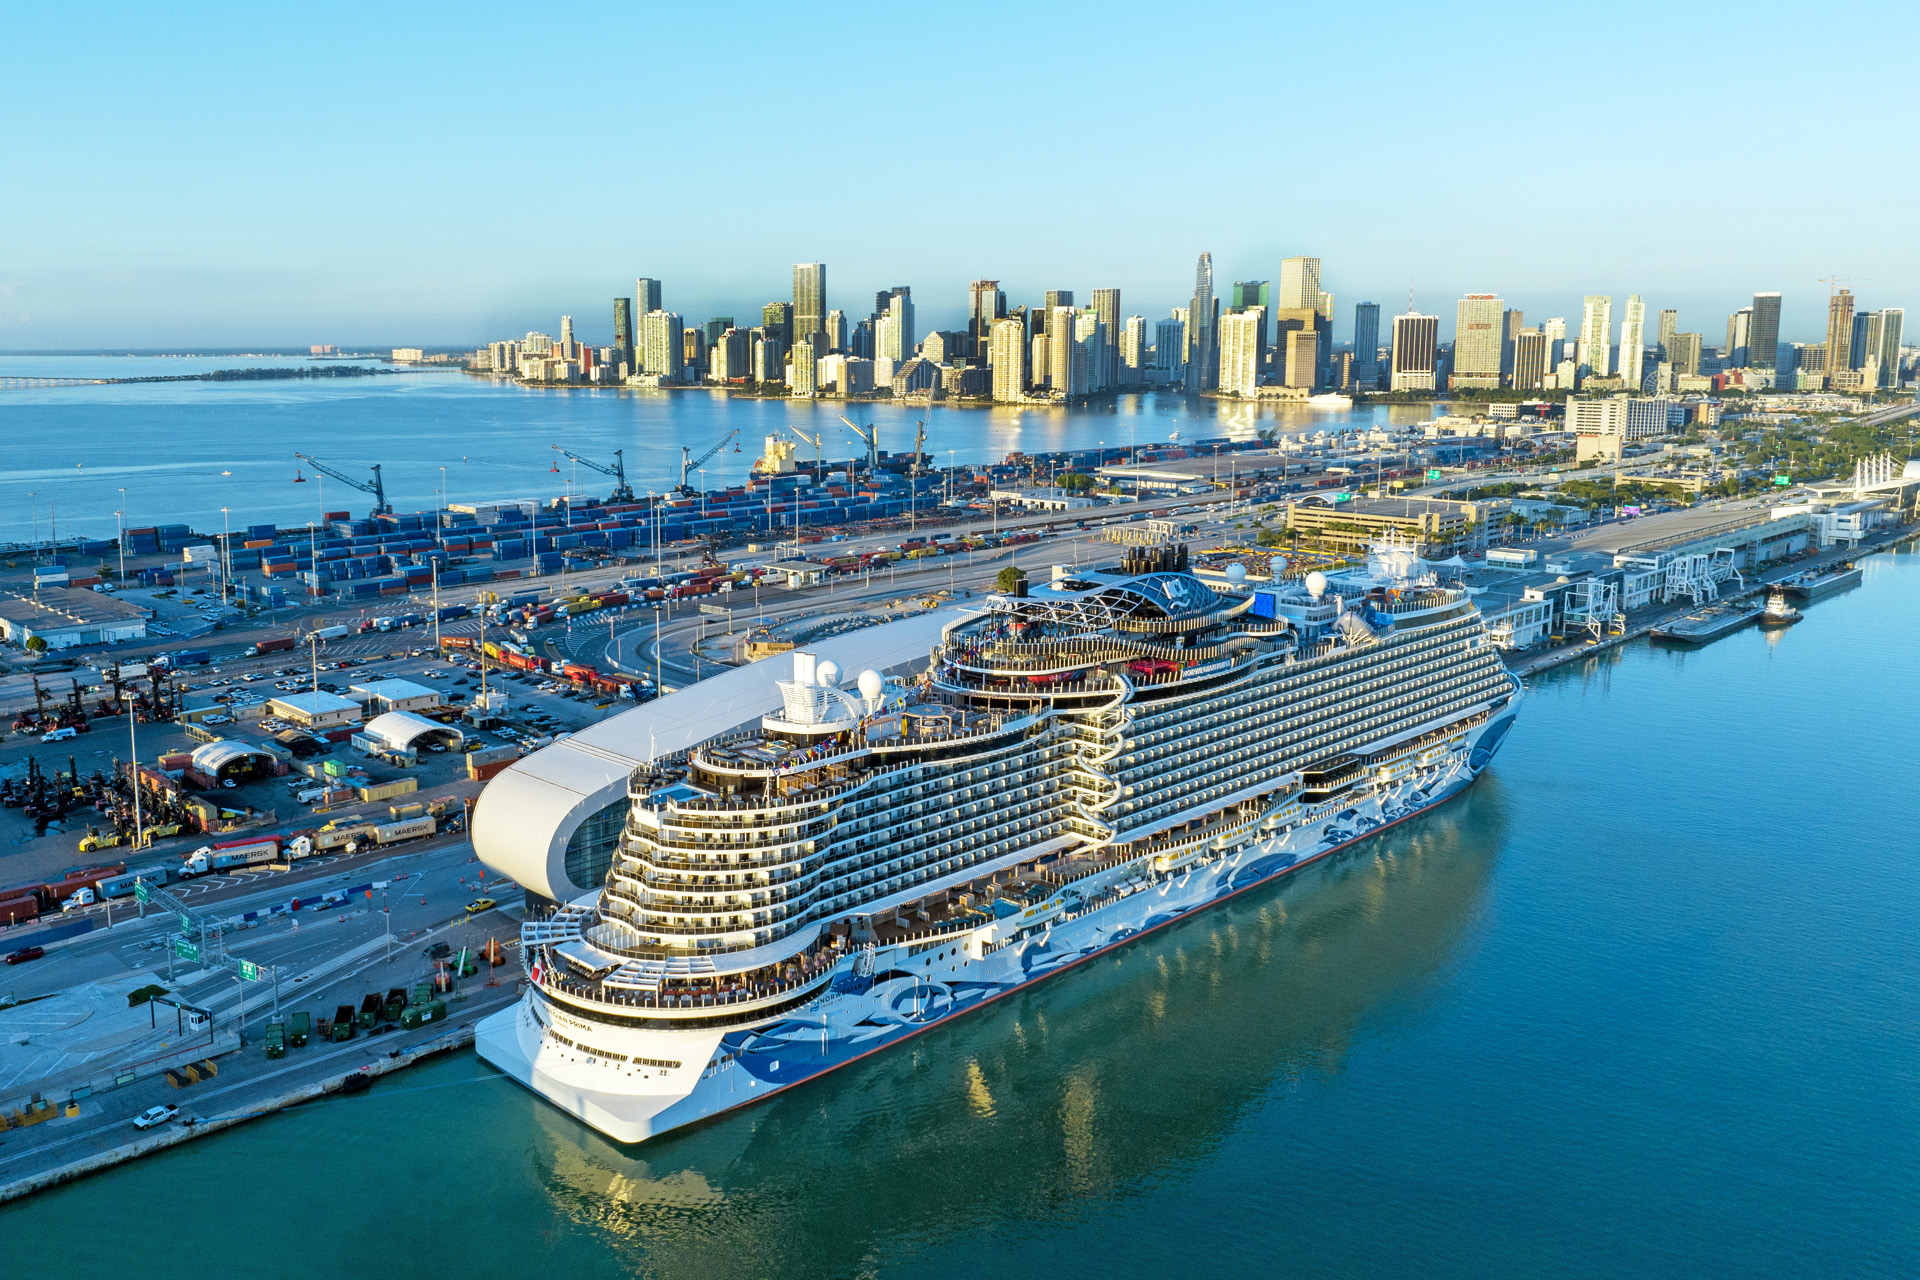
[381, 507]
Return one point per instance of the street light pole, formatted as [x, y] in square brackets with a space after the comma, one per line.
[120, 519]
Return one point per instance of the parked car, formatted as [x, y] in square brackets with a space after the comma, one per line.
[155, 1115]
[25, 954]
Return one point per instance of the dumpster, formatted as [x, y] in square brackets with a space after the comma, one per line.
[297, 1030]
[370, 1009]
[323, 1028]
[418, 1015]
[396, 1004]
[276, 1039]
[422, 993]
[343, 1022]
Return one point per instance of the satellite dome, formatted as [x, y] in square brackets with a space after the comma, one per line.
[827, 674]
[1316, 583]
[1278, 567]
[1236, 573]
[871, 685]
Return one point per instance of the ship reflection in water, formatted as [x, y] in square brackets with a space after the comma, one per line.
[1077, 1092]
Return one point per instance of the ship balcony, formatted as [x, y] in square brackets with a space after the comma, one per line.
[644, 988]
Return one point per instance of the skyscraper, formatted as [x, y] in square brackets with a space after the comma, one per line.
[1299, 284]
[1302, 359]
[1739, 352]
[1203, 330]
[665, 350]
[1416, 340]
[623, 330]
[1007, 354]
[777, 319]
[894, 337]
[809, 298]
[566, 338]
[1366, 345]
[1669, 325]
[1763, 339]
[1595, 356]
[1170, 348]
[1091, 343]
[1134, 354]
[1633, 341]
[1683, 353]
[1065, 373]
[716, 326]
[1555, 332]
[1058, 298]
[836, 330]
[986, 303]
[1242, 335]
[1529, 360]
[1839, 333]
[1479, 333]
[646, 296]
[1879, 348]
[1106, 305]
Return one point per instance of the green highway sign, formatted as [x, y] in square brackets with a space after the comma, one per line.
[250, 971]
[1783, 481]
[185, 950]
[1433, 473]
[186, 923]
[140, 890]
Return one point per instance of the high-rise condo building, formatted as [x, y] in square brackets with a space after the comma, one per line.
[646, 296]
[1478, 340]
[1555, 332]
[900, 340]
[1007, 354]
[836, 330]
[623, 330]
[716, 326]
[1739, 352]
[1242, 335]
[732, 358]
[1366, 345]
[1170, 348]
[809, 298]
[1416, 341]
[1106, 305]
[769, 357]
[665, 349]
[1203, 330]
[1058, 298]
[1134, 353]
[1066, 359]
[1090, 338]
[1763, 339]
[1595, 356]
[1878, 351]
[566, 339]
[1529, 360]
[986, 303]
[1669, 325]
[1839, 333]
[1299, 284]
[1633, 341]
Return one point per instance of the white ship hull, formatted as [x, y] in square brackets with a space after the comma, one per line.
[634, 1084]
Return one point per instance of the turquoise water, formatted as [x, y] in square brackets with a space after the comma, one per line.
[183, 451]
[1644, 1002]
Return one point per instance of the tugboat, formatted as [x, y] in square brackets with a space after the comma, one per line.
[1778, 612]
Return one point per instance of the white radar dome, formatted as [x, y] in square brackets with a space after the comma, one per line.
[827, 674]
[1236, 573]
[1277, 567]
[871, 685]
[1316, 583]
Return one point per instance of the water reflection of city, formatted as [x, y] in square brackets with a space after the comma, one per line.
[1084, 1088]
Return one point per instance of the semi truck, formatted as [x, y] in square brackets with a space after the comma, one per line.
[388, 833]
[329, 633]
[234, 856]
[278, 644]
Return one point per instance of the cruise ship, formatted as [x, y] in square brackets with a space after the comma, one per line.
[787, 867]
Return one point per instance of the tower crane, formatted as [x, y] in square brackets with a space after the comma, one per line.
[622, 492]
[919, 443]
[690, 463]
[381, 507]
[870, 434]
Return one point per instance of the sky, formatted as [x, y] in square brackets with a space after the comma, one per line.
[377, 175]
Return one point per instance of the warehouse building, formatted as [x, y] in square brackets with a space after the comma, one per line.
[68, 616]
[316, 711]
[381, 696]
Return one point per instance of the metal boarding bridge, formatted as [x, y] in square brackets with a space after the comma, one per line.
[564, 925]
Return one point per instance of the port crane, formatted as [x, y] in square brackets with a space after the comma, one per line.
[622, 492]
[381, 507]
[870, 436]
[689, 463]
[818, 443]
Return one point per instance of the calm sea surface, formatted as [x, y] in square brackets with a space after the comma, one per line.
[1644, 1002]
[183, 451]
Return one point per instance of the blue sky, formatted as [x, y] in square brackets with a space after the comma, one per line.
[214, 175]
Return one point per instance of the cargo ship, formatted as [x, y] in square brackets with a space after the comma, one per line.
[799, 870]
